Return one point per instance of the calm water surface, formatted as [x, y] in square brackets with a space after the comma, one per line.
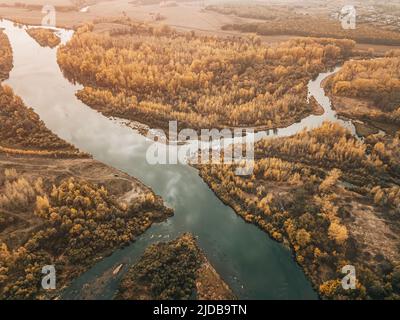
[254, 265]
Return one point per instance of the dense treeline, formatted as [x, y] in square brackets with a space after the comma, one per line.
[376, 81]
[259, 12]
[278, 21]
[21, 130]
[333, 146]
[6, 58]
[45, 37]
[79, 222]
[318, 27]
[327, 195]
[156, 74]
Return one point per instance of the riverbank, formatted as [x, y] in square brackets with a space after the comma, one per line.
[127, 217]
[361, 92]
[58, 206]
[265, 272]
[371, 120]
[281, 197]
[248, 217]
[321, 209]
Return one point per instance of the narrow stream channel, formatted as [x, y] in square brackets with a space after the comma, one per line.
[255, 266]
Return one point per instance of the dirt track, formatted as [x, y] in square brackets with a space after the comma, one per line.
[52, 171]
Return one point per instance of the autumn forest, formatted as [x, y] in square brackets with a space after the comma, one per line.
[78, 193]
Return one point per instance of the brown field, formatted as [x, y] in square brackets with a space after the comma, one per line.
[185, 16]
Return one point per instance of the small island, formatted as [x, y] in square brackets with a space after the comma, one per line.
[45, 37]
[176, 270]
[246, 83]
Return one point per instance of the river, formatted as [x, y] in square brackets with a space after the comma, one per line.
[254, 265]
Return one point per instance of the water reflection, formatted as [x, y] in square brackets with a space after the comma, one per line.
[249, 261]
